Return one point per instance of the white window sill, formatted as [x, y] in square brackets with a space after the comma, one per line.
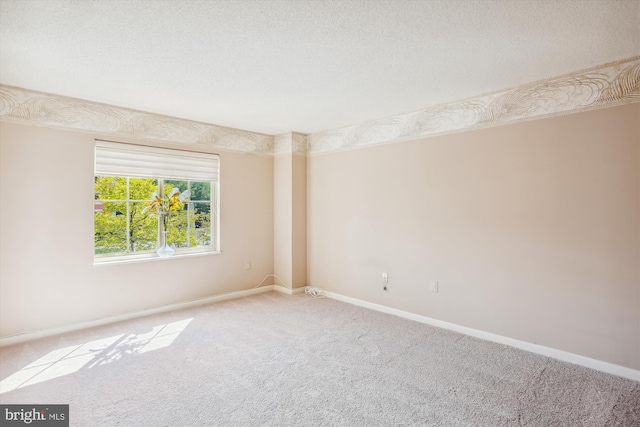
[128, 259]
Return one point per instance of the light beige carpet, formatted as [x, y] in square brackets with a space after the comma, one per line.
[276, 360]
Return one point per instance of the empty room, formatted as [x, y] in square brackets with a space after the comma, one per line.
[320, 213]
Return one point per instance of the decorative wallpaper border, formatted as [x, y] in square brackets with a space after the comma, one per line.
[42, 109]
[600, 87]
[604, 86]
[290, 142]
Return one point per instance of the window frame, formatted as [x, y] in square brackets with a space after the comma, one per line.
[180, 252]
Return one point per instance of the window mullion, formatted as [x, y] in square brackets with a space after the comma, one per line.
[189, 216]
[128, 203]
[160, 223]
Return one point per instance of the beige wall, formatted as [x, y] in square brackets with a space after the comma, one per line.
[290, 219]
[299, 220]
[47, 277]
[531, 229]
[283, 216]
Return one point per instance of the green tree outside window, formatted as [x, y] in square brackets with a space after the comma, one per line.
[123, 222]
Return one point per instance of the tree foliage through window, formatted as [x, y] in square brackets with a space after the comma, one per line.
[123, 226]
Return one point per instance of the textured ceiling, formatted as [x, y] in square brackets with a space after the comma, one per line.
[306, 66]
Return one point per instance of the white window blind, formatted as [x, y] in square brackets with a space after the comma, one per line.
[117, 159]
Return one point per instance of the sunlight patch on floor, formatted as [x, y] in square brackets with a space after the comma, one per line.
[67, 360]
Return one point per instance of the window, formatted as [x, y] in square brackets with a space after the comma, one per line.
[126, 179]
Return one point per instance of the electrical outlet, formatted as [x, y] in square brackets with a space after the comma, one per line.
[247, 265]
[433, 287]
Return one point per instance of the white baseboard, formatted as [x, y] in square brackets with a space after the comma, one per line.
[565, 356]
[288, 291]
[33, 335]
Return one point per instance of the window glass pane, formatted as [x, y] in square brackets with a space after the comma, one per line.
[200, 190]
[142, 188]
[169, 185]
[143, 228]
[178, 228]
[110, 225]
[110, 188]
[123, 226]
[177, 222]
[202, 223]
